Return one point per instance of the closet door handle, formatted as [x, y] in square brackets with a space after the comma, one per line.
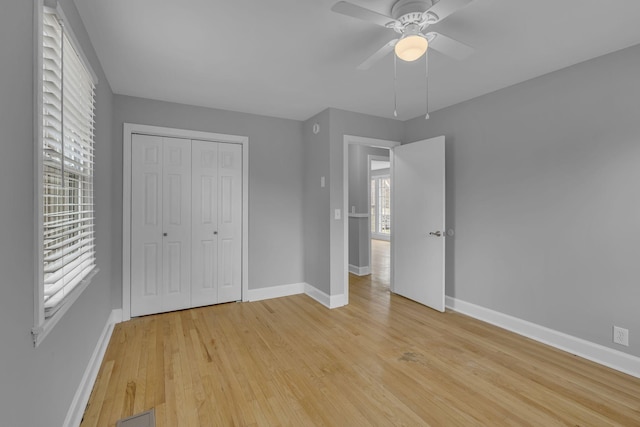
[164, 234]
[215, 232]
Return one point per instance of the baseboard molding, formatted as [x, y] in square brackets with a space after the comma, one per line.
[275, 291]
[336, 301]
[359, 271]
[81, 398]
[606, 356]
[329, 301]
[333, 301]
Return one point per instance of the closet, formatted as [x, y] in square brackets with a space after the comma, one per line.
[186, 223]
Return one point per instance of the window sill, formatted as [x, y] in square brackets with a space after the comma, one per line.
[41, 331]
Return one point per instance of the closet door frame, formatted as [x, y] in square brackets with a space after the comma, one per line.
[129, 130]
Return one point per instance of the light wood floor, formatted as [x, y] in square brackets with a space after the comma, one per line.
[381, 360]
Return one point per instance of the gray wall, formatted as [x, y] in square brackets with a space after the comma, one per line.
[358, 198]
[316, 202]
[275, 180]
[38, 384]
[543, 192]
[323, 153]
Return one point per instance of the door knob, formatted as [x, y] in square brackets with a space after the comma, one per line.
[215, 232]
[164, 234]
[435, 233]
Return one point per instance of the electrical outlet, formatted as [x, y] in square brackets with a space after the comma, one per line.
[621, 336]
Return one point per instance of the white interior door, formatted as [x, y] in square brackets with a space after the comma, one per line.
[229, 222]
[418, 216]
[146, 225]
[204, 238]
[177, 224]
[160, 224]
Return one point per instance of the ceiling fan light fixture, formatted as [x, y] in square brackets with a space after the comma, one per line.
[411, 47]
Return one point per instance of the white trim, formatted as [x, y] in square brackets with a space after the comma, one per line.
[275, 292]
[75, 43]
[359, 271]
[38, 212]
[131, 128]
[41, 331]
[317, 295]
[329, 301]
[606, 356]
[337, 301]
[81, 398]
[333, 301]
[371, 142]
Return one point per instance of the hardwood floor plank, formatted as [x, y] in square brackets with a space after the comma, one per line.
[381, 360]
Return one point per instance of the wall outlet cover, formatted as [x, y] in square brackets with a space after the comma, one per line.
[621, 336]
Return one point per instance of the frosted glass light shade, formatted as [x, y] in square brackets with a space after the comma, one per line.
[411, 48]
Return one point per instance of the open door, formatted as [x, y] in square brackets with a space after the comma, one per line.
[418, 222]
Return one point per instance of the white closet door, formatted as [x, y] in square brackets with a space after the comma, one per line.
[176, 224]
[146, 225]
[204, 226]
[186, 224]
[229, 222]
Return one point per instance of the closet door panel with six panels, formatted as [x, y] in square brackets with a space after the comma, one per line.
[186, 225]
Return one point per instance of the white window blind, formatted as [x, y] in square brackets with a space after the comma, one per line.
[67, 166]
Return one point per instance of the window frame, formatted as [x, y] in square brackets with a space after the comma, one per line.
[43, 325]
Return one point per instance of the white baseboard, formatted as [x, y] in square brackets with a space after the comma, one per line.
[81, 398]
[359, 271]
[606, 356]
[336, 301]
[317, 295]
[275, 291]
[332, 301]
[329, 301]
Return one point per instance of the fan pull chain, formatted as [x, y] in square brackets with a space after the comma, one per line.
[395, 89]
[426, 60]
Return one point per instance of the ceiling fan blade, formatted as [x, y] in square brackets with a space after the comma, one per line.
[381, 53]
[358, 12]
[444, 8]
[448, 46]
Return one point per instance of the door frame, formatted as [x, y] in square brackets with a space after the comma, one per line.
[370, 142]
[129, 130]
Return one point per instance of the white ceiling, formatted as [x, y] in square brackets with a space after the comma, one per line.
[294, 58]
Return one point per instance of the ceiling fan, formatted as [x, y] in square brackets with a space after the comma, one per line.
[410, 18]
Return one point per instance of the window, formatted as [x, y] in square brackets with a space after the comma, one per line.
[65, 167]
[381, 207]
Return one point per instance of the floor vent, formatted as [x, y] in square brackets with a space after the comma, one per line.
[144, 419]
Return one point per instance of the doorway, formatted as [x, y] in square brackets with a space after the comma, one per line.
[379, 230]
[359, 258]
[417, 247]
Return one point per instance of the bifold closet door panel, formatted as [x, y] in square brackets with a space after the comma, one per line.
[176, 224]
[146, 225]
[229, 222]
[204, 225]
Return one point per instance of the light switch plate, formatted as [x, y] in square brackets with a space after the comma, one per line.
[336, 214]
